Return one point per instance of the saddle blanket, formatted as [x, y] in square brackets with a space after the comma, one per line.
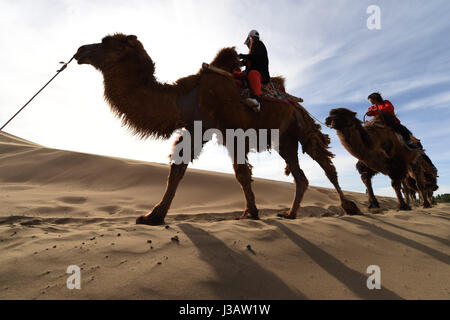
[271, 91]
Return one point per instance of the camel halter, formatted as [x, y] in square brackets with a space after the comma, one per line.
[57, 73]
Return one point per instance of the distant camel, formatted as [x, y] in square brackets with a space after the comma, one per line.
[153, 109]
[430, 177]
[379, 150]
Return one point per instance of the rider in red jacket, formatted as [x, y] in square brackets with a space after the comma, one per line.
[380, 105]
[385, 106]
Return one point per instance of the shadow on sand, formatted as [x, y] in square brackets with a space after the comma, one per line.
[400, 239]
[353, 280]
[435, 238]
[237, 272]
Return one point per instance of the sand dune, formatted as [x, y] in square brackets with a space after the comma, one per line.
[61, 208]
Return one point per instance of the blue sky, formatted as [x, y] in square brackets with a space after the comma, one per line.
[323, 48]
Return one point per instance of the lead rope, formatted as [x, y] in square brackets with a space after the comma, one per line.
[57, 73]
[317, 119]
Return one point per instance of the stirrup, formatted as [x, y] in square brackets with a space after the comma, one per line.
[254, 104]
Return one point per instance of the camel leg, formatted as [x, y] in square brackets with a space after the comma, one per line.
[366, 177]
[413, 197]
[411, 186]
[159, 212]
[423, 194]
[397, 186]
[289, 152]
[323, 158]
[243, 173]
[431, 198]
[406, 192]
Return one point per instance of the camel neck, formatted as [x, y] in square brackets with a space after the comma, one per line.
[147, 107]
[352, 140]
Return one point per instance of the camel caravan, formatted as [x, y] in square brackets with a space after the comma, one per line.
[223, 97]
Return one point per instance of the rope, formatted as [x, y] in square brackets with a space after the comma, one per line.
[57, 73]
[316, 118]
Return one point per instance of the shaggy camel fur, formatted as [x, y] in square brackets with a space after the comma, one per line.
[379, 150]
[430, 177]
[153, 109]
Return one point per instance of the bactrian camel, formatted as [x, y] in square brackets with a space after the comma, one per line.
[153, 109]
[430, 176]
[379, 149]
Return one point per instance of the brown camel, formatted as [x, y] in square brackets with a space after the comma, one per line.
[430, 178]
[153, 109]
[379, 150]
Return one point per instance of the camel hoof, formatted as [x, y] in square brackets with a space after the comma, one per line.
[405, 208]
[150, 220]
[287, 215]
[374, 206]
[351, 208]
[249, 214]
[427, 206]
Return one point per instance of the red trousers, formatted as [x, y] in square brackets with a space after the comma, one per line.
[254, 79]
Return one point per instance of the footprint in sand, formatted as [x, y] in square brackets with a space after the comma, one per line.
[109, 209]
[73, 200]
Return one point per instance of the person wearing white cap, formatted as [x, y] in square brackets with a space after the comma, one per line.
[257, 65]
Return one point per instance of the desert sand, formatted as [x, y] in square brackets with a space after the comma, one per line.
[61, 208]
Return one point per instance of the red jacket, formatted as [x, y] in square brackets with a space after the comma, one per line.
[386, 107]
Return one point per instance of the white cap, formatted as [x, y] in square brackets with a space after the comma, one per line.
[252, 33]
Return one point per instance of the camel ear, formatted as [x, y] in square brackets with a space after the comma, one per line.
[132, 40]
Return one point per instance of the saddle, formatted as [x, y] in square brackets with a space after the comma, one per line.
[379, 124]
[272, 91]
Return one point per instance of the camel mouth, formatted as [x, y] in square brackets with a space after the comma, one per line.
[81, 58]
[330, 122]
[82, 55]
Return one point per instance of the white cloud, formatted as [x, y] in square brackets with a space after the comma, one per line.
[441, 100]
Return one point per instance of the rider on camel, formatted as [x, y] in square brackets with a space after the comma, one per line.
[257, 66]
[381, 105]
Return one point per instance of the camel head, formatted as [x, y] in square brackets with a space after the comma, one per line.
[227, 59]
[112, 50]
[341, 118]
